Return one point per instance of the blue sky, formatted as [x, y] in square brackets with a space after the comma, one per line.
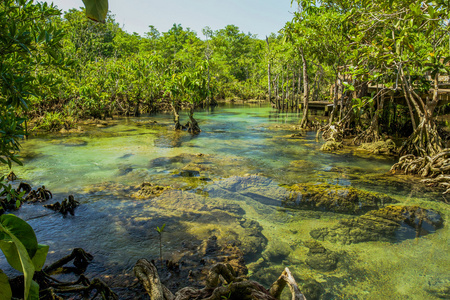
[259, 17]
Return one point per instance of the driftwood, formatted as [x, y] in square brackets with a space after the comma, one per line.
[232, 288]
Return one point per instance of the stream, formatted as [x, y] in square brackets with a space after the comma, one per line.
[243, 162]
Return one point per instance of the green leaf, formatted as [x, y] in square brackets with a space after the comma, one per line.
[96, 9]
[40, 257]
[5, 288]
[34, 291]
[15, 251]
[21, 230]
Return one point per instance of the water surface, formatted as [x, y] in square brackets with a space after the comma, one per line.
[100, 165]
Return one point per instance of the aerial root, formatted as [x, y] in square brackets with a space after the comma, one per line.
[370, 135]
[435, 169]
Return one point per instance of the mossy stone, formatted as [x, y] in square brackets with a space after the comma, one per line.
[391, 224]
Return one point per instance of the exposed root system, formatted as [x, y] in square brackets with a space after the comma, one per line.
[435, 168]
[221, 283]
[424, 141]
[331, 132]
[51, 288]
[370, 135]
[66, 206]
[39, 195]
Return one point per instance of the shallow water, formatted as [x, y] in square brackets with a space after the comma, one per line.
[99, 165]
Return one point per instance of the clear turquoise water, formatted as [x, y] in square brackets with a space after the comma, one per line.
[99, 165]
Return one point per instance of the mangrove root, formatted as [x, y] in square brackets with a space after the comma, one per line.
[331, 133]
[11, 176]
[39, 195]
[233, 287]
[50, 288]
[86, 287]
[424, 141]
[66, 206]
[370, 135]
[80, 259]
[436, 169]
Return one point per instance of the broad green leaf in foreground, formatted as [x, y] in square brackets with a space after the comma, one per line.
[96, 9]
[18, 242]
[5, 289]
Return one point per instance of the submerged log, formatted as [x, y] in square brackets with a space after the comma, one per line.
[233, 288]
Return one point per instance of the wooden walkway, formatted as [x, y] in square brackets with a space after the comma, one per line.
[398, 96]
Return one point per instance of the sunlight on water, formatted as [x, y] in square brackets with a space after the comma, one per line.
[103, 167]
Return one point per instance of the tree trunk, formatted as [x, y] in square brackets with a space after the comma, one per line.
[176, 115]
[305, 122]
[193, 127]
[277, 92]
[293, 89]
[269, 83]
[425, 140]
[299, 88]
[335, 99]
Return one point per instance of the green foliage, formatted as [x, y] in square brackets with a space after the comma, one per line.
[5, 289]
[19, 245]
[55, 121]
[29, 42]
[9, 197]
[160, 230]
[29, 47]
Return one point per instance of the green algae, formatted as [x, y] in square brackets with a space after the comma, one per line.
[341, 199]
[391, 224]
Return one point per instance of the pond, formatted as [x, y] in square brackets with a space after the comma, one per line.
[250, 184]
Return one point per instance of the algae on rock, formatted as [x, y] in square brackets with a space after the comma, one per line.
[340, 199]
[390, 224]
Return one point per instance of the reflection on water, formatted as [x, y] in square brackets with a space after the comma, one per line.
[245, 163]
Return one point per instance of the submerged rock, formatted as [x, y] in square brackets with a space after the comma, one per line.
[259, 188]
[213, 217]
[312, 289]
[276, 252]
[391, 224]
[439, 287]
[74, 142]
[341, 199]
[168, 161]
[302, 164]
[320, 258]
[189, 173]
[124, 170]
[149, 190]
